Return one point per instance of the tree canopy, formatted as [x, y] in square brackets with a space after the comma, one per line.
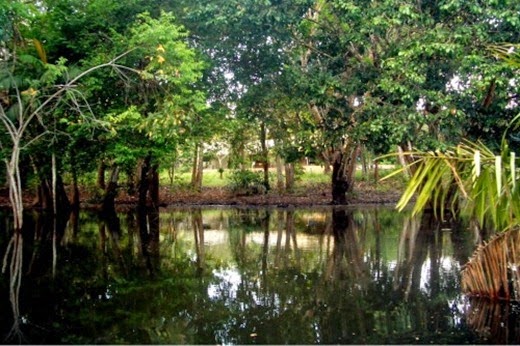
[319, 78]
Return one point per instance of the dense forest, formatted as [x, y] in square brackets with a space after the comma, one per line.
[124, 90]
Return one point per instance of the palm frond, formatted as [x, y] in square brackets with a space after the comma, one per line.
[470, 173]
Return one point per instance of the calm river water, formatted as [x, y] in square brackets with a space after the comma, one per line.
[243, 276]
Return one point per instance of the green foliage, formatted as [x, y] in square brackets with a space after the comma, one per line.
[161, 46]
[395, 57]
[486, 182]
[470, 173]
[246, 182]
[316, 74]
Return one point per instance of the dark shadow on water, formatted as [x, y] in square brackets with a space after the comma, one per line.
[498, 322]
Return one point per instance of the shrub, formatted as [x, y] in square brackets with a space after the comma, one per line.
[245, 182]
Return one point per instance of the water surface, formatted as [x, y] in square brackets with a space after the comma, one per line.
[243, 276]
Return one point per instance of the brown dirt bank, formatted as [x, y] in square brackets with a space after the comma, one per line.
[318, 195]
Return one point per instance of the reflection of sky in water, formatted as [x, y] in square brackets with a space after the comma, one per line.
[229, 280]
[447, 266]
[410, 268]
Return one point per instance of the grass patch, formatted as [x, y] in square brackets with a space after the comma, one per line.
[310, 176]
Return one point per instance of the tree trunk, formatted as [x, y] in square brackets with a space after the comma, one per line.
[43, 197]
[62, 200]
[148, 185]
[364, 163]
[265, 155]
[343, 169]
[15, 187]
[154, 185]
[108, 205]
[50, 198]
[198, 165]
[200, 169]
[194, 165]
[280, 184]
[171, 173]
[376, 172]
[326, 162]
[405, 159]
[220, 160]
[75, 189]
[100, 182]
[143, 184]
[289, 176]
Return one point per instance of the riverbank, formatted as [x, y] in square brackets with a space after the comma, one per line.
[315, 195]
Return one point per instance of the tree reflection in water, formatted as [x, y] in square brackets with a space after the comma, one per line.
[13, 263]
[245, 276]
[496, 322]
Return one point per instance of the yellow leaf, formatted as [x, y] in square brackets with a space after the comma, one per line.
[161, 49]
[160, 59]
[30, 92]
[40, 50]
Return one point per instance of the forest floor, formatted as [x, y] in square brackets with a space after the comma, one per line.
[315, 195]
[308, 192]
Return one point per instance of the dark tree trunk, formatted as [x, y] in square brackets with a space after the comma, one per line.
[44, 198]
[153, 185]
[148, 185]
[143, 184]
[108, 205]
[100, 182]
[62, 200]
[343, 169]
[340, 184]
[75, 190]
[43, 195]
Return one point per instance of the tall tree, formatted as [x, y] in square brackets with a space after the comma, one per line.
[247, 43]
[164, 70]
[385, 73]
